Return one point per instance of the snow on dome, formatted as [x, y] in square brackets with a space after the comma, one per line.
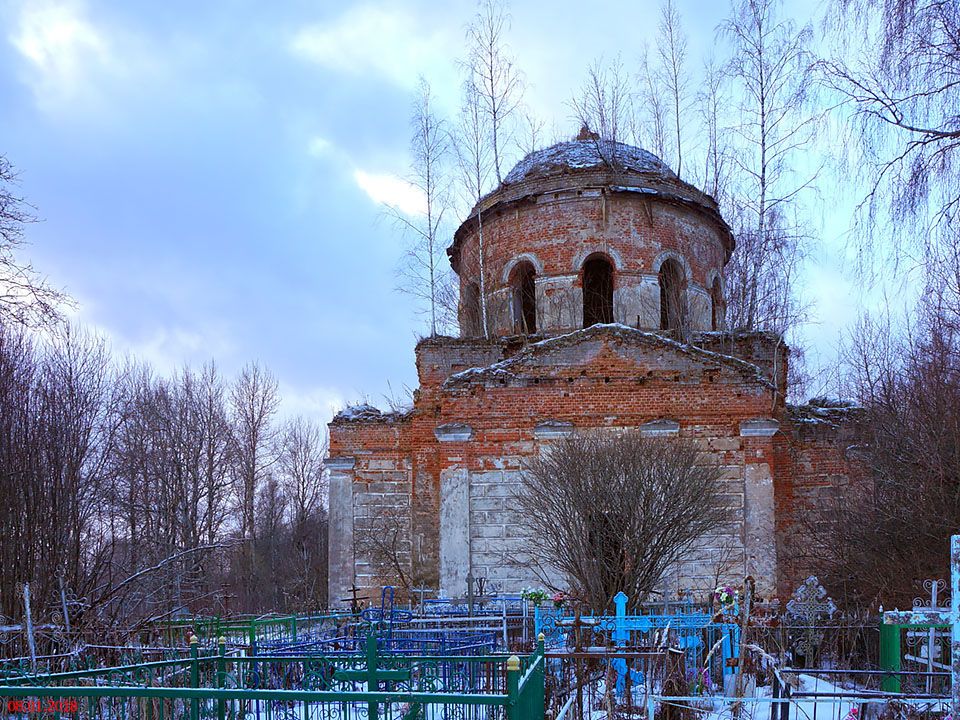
[579, 154]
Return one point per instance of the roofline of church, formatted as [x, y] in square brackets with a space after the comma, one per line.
[606, 180]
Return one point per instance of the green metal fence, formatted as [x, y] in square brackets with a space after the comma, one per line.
[230, 687]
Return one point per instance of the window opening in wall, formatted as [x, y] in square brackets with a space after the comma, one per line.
[673, 296]
[716, 297]
[470, 310]
[597, 291]
[523, 281]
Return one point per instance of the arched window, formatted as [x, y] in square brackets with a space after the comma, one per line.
[716, 298]
[597, 291]
[470, 310]
[523, 282]
[673, 295]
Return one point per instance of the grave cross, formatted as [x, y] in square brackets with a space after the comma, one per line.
[941, 616]
[355, 599]
[421, 592]
[373, 675]
[933, 587]
[808, 605]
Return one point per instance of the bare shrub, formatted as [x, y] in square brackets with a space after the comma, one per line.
[614, 512]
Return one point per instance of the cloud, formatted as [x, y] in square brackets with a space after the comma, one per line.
[369, 39]
[318, 146]
[390, 190]
[316, 403]
[167, 349]
[60, 46]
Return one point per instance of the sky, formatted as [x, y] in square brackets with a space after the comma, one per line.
[210, 176]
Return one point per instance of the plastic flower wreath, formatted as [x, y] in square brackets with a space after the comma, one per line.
[726, 596]
[558, 599]
[536, 596]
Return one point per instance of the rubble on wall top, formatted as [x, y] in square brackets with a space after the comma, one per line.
[830, 412]
[362, 412]
[503, 370]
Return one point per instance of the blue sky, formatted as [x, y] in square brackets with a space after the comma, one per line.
[209, 174]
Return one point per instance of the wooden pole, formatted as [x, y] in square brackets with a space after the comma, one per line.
[31, 642]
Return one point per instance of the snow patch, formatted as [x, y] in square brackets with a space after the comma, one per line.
[579, 154]
[364, 412]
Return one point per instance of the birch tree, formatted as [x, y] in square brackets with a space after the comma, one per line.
[901, 95]
[474, 166]
[423, 269]
[604, 106]
[497, 82]
[253, 403]
[26, 298]
[672, 52]
[652, 120]
[771, 70]
[711, 99]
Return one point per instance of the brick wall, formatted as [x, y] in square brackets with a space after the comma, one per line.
[556, 232]
[602, 377]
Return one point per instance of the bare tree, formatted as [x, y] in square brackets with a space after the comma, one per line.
[253, 402]
[672, 51]
[771, 67]
[25, 297]
[711, 100]
[533, 132]
[383, 541]
[903, 98]
[615, 512]
[213, 439]
[474, 165]
[423, 269]
[907, 505]
[303, 449]
[652, 116]
[303, 570]
[496, 81]
[58, 413]
[604, 106]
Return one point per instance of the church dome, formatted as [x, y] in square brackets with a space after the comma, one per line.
[584, 219]
[566, 157]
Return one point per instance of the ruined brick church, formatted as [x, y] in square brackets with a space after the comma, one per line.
[599, 304]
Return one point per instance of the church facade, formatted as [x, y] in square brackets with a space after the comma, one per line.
[598, 306]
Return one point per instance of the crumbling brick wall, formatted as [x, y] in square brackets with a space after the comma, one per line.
[603, 377]
[814, 462]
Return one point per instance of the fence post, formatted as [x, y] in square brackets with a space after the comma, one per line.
[513, 689]
[540, 678]
[890, 656]
[194, 677]
[955, 624]
[785, 706]
[775, 693]
[221, 674]
[373, 684]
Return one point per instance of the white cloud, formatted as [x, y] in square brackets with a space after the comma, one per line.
[168, 349]
[318, 146]
[390, 190]
[382, 40]
[314, 403]
[60, 46]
